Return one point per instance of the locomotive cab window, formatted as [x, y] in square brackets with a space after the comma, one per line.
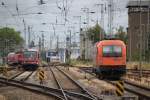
[112, 51]
[28, 54]
[52, 54]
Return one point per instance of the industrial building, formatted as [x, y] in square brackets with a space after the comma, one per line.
[138, 28]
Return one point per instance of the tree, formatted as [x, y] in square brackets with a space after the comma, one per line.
[93, 33]
[122, 35]
[9, 40]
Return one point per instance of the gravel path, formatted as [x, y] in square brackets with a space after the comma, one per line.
[13, 93]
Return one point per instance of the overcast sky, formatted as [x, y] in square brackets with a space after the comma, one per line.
[52, 13]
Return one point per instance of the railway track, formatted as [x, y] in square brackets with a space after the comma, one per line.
[62, 92]
[56, 93]
[73, 86]
[142, 92]
[21, 76]
[20, 83]
[19, 80]
[137, 71]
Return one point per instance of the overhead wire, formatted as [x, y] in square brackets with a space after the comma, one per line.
[10, 13]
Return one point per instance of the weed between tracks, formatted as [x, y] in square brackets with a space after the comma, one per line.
[81, 63]
[145, 65]
[94, 85]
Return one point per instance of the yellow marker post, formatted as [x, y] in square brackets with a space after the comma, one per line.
[5, 71]
[41, 75]
[120, 88]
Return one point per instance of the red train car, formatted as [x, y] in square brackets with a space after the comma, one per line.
[110, 58]
[31, 59]
[11, 59]
[15, 58]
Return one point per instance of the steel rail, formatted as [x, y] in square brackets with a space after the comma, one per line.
[24, 79]
[78, 84]
[16, 75]
[137, 89]
[132, 88]
[54, 93]
[128, 70]
[47, 89]
[127, 83]
[71, 95]
[58, 83]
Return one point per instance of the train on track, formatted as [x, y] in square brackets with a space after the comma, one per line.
[15, 58]
[31, 59]
[52, 57]
[110, 58]
[28, 59]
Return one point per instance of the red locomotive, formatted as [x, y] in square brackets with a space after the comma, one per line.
[19, 56]
[11, 59]
[110, 58]
[31, 59]
[15, 58]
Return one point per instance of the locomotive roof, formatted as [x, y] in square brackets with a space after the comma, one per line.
[11, 53]
[109, 42]
[31, 50]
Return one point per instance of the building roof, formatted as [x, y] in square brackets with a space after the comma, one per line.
[144, 3]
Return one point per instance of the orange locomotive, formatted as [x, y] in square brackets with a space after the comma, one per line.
[110, 58]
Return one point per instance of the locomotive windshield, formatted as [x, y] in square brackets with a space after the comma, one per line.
[112, 51]
[52, 53]
[28, 54]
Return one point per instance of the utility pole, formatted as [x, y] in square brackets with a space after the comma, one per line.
[40, 44]
[101, 23]
[43, 41]
[141, 38]
[148, 24]
[79, 23]
[41, 2]
[70, 43]
[24, 31]
[50, 42]
[110, 16]
[29, 35]
[130, 40]
[101, 6]
[87, 11]
[57, 45]
[68, 46]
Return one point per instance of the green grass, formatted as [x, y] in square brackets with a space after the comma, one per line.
[145, 65]
[43, 63]
[83, 63]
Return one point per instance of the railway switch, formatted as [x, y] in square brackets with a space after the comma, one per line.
[119, 88]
